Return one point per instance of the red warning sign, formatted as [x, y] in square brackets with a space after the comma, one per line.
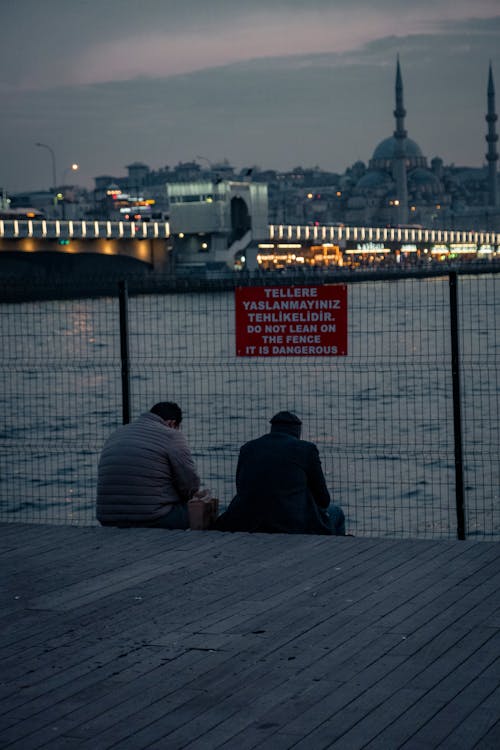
[291, 321]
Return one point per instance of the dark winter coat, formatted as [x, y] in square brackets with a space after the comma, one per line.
[280, 488]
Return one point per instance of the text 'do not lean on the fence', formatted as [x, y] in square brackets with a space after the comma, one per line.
[291, 321]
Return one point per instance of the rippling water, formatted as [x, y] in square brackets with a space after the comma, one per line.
[382, 416]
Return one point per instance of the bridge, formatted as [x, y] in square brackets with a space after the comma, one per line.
[153, 242]
[343, 235]
[147, 242]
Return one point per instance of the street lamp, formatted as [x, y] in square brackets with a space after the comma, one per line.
[61, 196]
[53, 157]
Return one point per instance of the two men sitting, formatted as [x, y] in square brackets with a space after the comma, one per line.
[147, 475]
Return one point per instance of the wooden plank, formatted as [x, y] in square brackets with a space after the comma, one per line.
[414, 706]
[455, 713]
[491, 740]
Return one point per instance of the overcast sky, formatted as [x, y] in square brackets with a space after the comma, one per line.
[272, 83]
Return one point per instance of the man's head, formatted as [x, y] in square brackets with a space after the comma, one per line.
[169, 412]
[286, 421]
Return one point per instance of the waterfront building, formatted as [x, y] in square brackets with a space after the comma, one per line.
[68, 202]
[214, 221]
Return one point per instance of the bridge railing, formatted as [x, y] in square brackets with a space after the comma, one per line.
[420, 235]
[80, 229]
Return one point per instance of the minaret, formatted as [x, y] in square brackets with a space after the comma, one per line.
[491, 139]
[400, 151]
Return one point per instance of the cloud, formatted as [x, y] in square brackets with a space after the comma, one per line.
[86, 41]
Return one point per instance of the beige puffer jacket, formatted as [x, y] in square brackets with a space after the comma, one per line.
[144, 467]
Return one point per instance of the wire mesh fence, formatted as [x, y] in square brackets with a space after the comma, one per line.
[382, 416]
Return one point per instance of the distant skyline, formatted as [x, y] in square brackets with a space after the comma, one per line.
[270, 83]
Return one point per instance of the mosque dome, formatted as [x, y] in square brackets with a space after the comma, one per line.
[385, 154]
[386, 149]
[373, 179]
[423, 180]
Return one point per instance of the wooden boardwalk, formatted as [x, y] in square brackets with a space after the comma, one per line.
[146, 638]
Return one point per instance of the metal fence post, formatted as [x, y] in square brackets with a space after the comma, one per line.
[124, 353]
[457, 410]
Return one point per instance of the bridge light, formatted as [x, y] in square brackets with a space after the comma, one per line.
[63, 242]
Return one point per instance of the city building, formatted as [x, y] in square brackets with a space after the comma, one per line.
[399, 185]
[217, 223]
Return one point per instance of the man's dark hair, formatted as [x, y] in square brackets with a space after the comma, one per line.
[168, 410]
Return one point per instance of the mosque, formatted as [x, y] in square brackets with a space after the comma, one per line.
[399, 187]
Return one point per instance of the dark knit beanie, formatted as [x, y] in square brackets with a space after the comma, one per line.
[286, 421]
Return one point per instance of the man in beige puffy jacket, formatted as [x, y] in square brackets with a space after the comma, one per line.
[146, 473]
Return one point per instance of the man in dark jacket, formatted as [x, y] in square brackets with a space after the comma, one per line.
[280, 486]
